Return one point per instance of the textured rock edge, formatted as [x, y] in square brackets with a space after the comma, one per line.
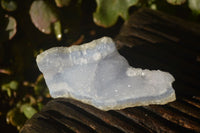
[168, 96]
[73, 48]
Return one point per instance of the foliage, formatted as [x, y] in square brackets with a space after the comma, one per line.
[8, 27]
[195, 6]
[12, 85]
[23, 94]
[9, 5]
[108, 11]
[45, 15]
[61, 3]
[28, 104]
[28, 110]
[176, 2]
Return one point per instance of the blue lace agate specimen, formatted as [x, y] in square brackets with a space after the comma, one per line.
[96, 74]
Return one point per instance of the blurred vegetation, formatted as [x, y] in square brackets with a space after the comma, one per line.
[31, 26]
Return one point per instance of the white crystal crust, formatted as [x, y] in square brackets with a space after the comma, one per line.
[96, 74]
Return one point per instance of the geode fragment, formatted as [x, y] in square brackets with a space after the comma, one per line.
[95, 73]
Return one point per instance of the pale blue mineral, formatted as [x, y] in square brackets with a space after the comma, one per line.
[96, 74]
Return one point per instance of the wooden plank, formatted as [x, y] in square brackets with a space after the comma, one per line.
[175, 117]
[152, 121]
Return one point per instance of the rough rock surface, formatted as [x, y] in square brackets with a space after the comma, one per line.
[95, 73]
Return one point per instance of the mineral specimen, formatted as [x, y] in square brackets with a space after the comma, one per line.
[95, 73]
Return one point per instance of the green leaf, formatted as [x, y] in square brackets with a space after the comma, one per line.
[61, 3]
[40, 87]
[9, 92]
[176, 2]
[152, 4]
[4, 87]
[57, 30]
[8, 28]
[28, 110]
[15, 118]
[13, 85]
[9, 5]
[108, 11]
[40, 106]
[43, 16]
[194, 5]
